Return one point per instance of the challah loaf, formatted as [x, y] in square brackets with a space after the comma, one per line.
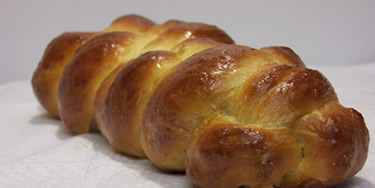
[183, 95]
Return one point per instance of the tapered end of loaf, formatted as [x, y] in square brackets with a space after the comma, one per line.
[326, 147]
[56, 56]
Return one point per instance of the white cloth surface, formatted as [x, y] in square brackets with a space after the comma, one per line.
[38, 151]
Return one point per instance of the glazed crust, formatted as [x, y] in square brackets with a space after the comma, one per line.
[96, 59]
[183, 95]
[207, 80]
[48, 74]
[127, 99]
[259, 96]
[243, 154]
[130, 23]
[83, 75]
[59, 52]
[132, 86]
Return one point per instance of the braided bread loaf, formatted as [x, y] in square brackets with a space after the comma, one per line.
[183, 95]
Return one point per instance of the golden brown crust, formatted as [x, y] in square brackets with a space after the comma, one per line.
[335, 141]
[296, 93]
[159, 28]
[198, 87]
[231, 155]
[46, 77]
[95, 60]
[100, 98]
[183, 95]
[59, 52]
[284, 55]
[128, 97]
[199, 30]
[130, 93]
[273, 96]
[201, 85]
[191, 46]
[131, 23]
[83, 75]
[178, 32]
